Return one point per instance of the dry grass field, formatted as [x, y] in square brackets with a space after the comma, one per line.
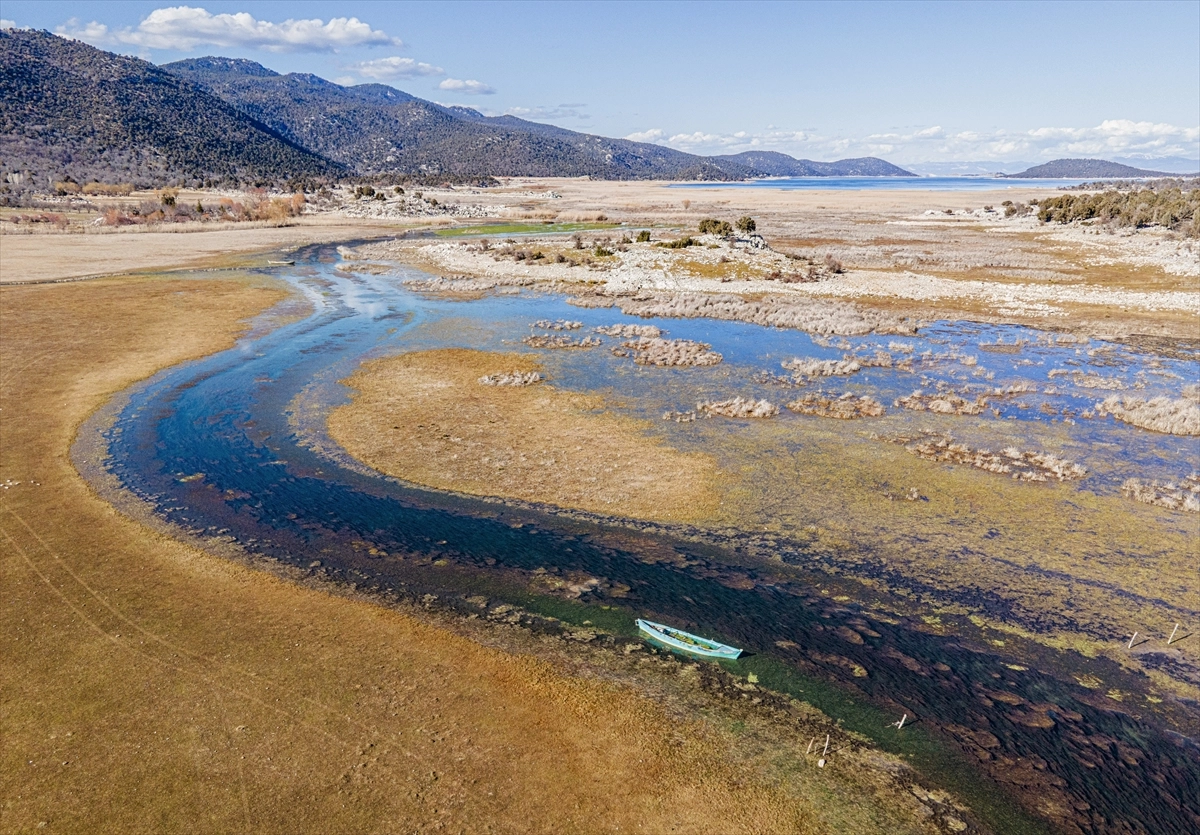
[151, 687]
[49, 256]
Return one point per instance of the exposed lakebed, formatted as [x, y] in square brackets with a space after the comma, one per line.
[850, 591]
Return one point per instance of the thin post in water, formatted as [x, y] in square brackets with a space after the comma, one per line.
[826, 745]
[1173, 631]
[1131, 640]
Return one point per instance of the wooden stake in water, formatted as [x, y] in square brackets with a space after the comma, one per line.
[1131, 640]
[1173, 631]
[826, 745]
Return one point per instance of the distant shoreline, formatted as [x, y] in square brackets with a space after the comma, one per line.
[888, 183]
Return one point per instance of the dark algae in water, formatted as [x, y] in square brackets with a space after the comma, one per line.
[210, 446]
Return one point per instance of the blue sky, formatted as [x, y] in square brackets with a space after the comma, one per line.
[917, 83]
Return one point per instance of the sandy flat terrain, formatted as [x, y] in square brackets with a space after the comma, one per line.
[528, 442]
[50, 257]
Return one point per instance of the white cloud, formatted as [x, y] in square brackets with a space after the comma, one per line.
[5, 23]
[652, 135]
[468, 86]
[1111, 138]
[385, 69]
[548, 113]
[187, 27]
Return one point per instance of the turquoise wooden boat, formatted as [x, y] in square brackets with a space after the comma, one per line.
[686, 641]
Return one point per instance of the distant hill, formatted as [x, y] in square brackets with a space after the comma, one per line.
[373, 128]
[67, 108]
[1086, 169]
[774, 164]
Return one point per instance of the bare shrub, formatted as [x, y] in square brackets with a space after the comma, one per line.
[547, 341]
[1182, 496]
[1088, 381]
[681, 417]
[1158, 414]
[1021, 466]
[589, 301]
[667, 353]
[630, 331]
[739, 407]
[880, 359]
[817, 316]
[512, 378]
[942, 403]
[843, 407]
[811, 367]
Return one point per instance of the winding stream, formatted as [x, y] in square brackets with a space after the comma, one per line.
[214, 447]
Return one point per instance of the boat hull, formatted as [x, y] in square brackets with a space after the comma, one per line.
[686, 641]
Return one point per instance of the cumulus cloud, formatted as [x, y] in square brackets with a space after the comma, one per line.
[468, 86]
[548, 113]
[1111, 138]
[187, 27]
[5, 23]
[651, 135]
[385, 69]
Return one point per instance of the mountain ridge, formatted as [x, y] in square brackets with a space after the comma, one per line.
[1086, 168]
[265, 95]
[70, 110]
[67, 108]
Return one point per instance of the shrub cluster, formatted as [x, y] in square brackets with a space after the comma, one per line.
[682, 243]
[1172, 208]
[712, 226]
[69, 186]
[257, 206]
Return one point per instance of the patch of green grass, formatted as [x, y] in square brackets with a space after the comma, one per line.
[932, 757]
[522, 229]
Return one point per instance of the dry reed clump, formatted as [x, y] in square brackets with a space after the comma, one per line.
[1010, 461]
[739, 407]
[942, 403]
[1158, 414]
[669, 353]
[546, 341]
[630, 331]
[811, 315]
[1089, 381]
[1013, 389]
[901, 347]
[1000, 347]
[557, 325]
[512, 378]
[463, 286]
[811, 367]
[1183, 496]
[590, 301]
[682, 417]
[880, 359]
[843, 407]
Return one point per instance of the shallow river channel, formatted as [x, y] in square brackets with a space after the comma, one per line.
[231, 449]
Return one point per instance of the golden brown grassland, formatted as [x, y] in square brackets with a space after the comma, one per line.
[425, 417]
[148, 686]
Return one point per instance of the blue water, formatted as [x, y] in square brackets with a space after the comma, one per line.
[209, 444]
[890, 184]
